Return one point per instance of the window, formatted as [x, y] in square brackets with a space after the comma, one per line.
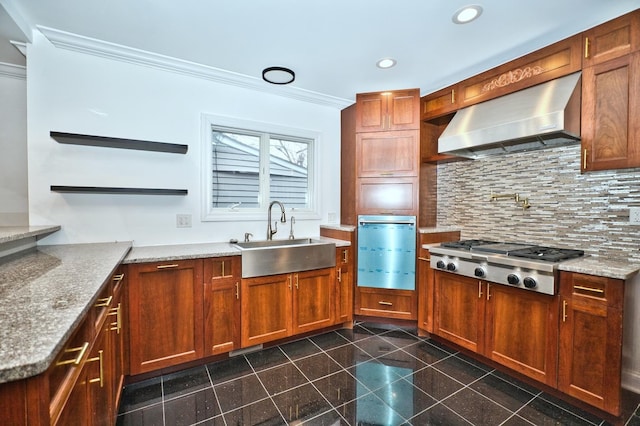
[248, 165]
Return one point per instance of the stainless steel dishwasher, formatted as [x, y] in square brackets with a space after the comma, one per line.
[387, 252]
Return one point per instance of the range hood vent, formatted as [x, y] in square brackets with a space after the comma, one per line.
[539, 117]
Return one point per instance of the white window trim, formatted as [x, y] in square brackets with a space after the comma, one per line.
[210, 214]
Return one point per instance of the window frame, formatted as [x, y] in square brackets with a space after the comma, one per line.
[226, 214]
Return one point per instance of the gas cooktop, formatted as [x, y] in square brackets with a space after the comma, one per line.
[527, 251]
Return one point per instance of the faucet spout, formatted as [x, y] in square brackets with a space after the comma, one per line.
[283, 219]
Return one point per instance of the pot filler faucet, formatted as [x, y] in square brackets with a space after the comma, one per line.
[283, 219]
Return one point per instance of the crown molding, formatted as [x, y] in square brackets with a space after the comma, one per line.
[13, 71]
[117, 52]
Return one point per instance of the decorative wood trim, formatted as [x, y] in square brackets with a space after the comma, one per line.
[511, 77]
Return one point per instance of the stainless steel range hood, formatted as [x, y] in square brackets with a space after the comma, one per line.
[541, 116]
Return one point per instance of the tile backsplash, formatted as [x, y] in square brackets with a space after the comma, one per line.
[587, 211]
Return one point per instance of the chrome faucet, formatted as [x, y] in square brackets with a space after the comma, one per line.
[283, 219]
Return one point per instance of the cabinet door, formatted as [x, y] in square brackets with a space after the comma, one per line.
[165, 314]
[425, 295]
[610, 114]
[440, 103]
[313, 300]
[221, 305]
[100, 380]
[266, 308]
[344, 281]
[522, 331]
[381, 111]
[612, 39]
[115, 320]
[388, 154]
[76, 409]
[459, 310]
[394, 196]
[591, 340]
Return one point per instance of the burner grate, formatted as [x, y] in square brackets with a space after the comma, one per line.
[549, 254]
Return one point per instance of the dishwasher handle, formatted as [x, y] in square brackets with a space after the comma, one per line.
[387, 222]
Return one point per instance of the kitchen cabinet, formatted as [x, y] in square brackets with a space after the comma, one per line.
[611, 114]
[388, 303]
[386, 154]
[391, 110]
[591, 339]
[165, 302]
[439, 103]
[426, 276]
[391, 196]
[221, 304]
[278, 306]
[613, 39]
[513, 327]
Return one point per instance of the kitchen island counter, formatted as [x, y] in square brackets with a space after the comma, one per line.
[46, 292]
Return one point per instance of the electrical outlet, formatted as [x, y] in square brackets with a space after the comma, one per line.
[183, 220]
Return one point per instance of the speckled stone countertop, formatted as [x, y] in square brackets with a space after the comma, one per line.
[437, 229]
[347, 228]
[44, 294]
[167, 253]
[14, 233]
[600, 266]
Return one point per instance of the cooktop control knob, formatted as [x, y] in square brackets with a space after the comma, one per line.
[451, 266]
[513, 279]
[530, 282]
[440, 264]
[479, 272]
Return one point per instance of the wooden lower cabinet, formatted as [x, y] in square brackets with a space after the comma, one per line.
[278, 306]
[382, 302]
[344, 283]
[221, 304]
[591, 339]
[513, 327]
[165, 314]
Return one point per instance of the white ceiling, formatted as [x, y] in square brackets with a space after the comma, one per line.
[332, 45]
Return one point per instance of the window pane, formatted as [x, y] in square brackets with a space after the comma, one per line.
[235, 165]
[288, 172]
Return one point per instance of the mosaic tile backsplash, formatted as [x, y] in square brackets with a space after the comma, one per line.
[587, 211]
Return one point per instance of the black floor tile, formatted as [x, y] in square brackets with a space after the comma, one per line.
[476, 408]
[282, 378]
[438, 415]
[185, 382]
[301, 404]
[192, 408]
[239, 392]
[317, 366]
[229, 369]
[299, 349]
[262, 413]
[373, 374]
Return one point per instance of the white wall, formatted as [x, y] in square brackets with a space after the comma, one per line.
[79, 93]
[14, 206]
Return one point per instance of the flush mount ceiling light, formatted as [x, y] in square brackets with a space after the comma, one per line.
[278, 75]
[467, 14]
[386, 63]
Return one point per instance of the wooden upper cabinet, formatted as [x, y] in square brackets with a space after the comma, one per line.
[439, 103]
[610, 111]
[381, 154]
[382, 111]
[612, 39]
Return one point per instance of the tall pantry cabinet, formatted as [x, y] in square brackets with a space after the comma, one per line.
[380, 170]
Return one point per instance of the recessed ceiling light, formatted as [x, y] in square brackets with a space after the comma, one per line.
[386, 63]
[278, 75]
[467, 14]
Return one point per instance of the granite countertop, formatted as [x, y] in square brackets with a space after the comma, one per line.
[438, 229]
[44, 294]
[601, 266]
[194, 251]
[15, 233]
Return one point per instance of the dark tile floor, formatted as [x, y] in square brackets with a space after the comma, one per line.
[366, 376]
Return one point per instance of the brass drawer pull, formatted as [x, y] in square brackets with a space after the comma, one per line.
[345, 256]
[383, 303]
[172, 265]
[222, 272]
[564, 310]
[237, 290]
[76, 361]
[424, 258]
[339, 275]
[118, 278]
[116, 326]
[591, 289]
[101, 378]
[586, 47]
[103, 303]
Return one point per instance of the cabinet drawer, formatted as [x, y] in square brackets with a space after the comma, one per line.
[387, 303]
[439, 103]
[387, 196]
[607, 291]
[221, 268]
